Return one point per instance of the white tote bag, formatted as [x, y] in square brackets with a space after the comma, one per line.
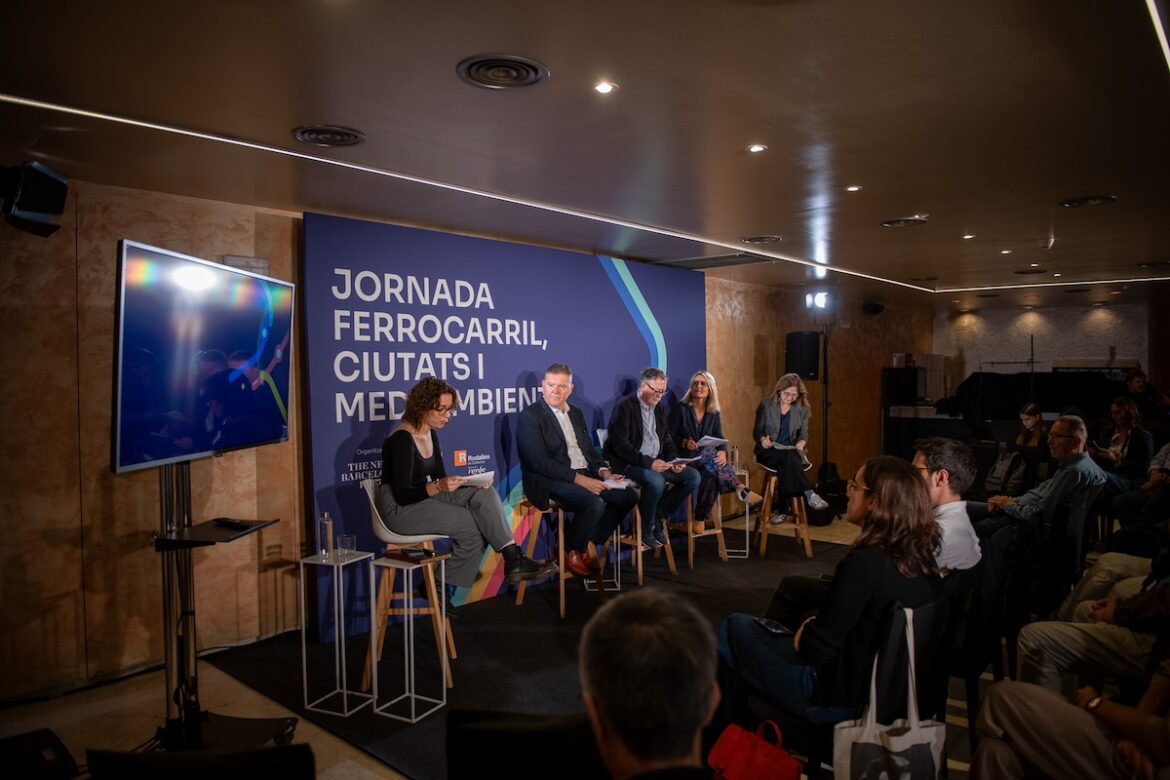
[909, 749]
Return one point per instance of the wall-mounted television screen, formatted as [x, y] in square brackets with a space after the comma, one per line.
[202, 358]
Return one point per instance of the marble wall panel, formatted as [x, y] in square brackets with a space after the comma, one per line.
[42, 630]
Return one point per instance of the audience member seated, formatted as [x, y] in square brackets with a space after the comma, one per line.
[781, 438]
[1107, 637]
[1143, 511]
[1075, 474]
[417, 497]
[1027, 732]
[948, 468]
[648, 681]
[640, 447]
[1126, 457]
[558, 461]
[696, 416]
[1151, 402]
[821, 674]
[1033, 432]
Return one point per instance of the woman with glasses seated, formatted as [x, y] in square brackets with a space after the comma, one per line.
[781, 435]
[417, 497]
[821, 672]
[697, 416]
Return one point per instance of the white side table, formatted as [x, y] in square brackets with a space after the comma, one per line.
[336, 563]
[747, 521]
[410, 706]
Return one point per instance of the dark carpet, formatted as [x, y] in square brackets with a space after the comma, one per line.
[518, 659]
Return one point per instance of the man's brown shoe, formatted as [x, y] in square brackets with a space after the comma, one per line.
[578, 563]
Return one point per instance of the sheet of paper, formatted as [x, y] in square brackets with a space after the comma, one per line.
[711, 441]
[480, 480]
[677, 461]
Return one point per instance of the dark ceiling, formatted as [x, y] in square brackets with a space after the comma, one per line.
[983, 116]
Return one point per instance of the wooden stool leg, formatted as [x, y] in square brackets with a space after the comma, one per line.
[385, 593]
[691, 531]
[719, 531]
[638, 543]
[561, 557]
[433, 598]
[800, 521]
[669, 550]
[533, 533]
[765, 516]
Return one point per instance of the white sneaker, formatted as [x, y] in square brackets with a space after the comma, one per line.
[814, 501]
[777, 519]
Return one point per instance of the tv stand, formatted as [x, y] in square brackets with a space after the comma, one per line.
[187, 726]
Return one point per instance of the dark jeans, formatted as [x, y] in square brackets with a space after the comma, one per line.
[789, 470]
[657, 501]
[770, 665]
[594, 517]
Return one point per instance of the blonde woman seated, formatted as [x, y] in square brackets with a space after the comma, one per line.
[781, 434]
[696, 416]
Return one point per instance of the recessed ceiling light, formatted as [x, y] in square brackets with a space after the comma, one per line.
[1085, 201]
[605, 87]
[1005, 251]
[1029, 306]
[501, 71]
[1115, 292]
[1057, 275]
[853, 188]
[968, 236]
[329, 136]
[757, 148]
[955, 300]
[765, 239]
[1033, 265]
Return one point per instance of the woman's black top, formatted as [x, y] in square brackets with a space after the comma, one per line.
[843, 639]
[406, 471]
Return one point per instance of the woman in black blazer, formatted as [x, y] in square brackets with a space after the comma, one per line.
[696, 416]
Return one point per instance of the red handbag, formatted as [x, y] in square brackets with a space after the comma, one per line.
[741, 755]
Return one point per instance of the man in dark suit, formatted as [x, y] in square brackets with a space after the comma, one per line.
[558, 461]
[640, 446]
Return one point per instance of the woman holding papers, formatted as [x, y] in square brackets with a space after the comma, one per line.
[694, 423]
[417, 497]
[781, 434]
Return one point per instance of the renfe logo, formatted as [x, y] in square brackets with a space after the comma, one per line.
[460, 457]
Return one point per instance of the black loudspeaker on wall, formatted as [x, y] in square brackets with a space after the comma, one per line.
[32, 196]
[801, 353]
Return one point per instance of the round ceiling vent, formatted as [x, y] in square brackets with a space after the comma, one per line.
[923, 279]
[917, 219]
[1088, 200]
[760, 239]
[329, 136]
[1029, 271]
[501, 71]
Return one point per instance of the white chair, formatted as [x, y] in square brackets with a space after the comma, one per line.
[387, 594]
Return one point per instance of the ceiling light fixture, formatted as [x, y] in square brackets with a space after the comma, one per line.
[328, 136]
[853, 188]
[757, 148]
[1005, 251]
[1033, 265]
[605, 87]
[1087, 201]
[968, 236]
[911, 221]
[1057, 275]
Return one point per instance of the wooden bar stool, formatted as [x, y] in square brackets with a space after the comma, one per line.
[797, 511]
[384, 608]
[689, 527]
[527, 506]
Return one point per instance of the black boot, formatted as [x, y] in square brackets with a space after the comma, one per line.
[519, 567]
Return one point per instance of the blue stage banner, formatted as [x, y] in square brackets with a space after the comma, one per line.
[386, 306]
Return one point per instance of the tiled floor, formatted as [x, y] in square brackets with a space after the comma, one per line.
[125, 714]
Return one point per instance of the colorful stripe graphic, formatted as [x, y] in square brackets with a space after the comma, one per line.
[627, 290]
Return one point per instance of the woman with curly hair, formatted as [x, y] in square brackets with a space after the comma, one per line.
[821, 672]
[417, 497]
